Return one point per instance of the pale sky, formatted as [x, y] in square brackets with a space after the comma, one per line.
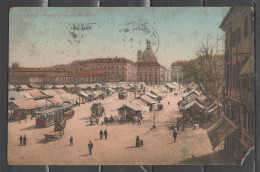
[47, 36]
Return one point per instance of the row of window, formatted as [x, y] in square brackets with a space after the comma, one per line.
[242, 118]
[235, 36]
[233, 74]
[42, 79]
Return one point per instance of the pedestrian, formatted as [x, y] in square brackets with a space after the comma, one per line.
[101, 134]
[175, 135]
[168, 103]
[105, 133]
[90, 146]
[139, 122]
[24, 140]
[71, 141]
[21, 140]
[142, 143]
[137, 143]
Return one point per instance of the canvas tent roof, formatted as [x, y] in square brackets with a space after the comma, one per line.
[27, 104]
[25, 87]
[212, 109]
[49, 92]
[90, 93]
[193, 91]
[156, 92]
[83, 86]
[60, 91]
[162, 89]
[14, 95]
[147, 99]
[83, 94]
[43, 102]
[68, 97]
[98, 85]
[140, 104]
[171, 85]
[55, 100]
[220, 130]
[26, 94]
[131, 85]
[36, 94]
[190, 104]
[152, 95]
[132, 106]
[98, 92]
[112, 90]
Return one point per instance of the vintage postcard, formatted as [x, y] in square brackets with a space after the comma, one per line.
[131, 86]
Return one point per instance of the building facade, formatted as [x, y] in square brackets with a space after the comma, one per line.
[40, 77]
[149, 70]
[177, 74]
[118, 69]
[239, 105]
[95, 70]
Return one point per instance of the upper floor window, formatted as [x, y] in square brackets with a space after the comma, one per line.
[245, 28]
[238, 35]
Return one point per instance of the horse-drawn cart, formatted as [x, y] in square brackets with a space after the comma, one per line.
[54, 135]
[58, 131]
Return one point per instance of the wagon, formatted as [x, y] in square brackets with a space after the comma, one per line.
[58, 131]
[54, 135]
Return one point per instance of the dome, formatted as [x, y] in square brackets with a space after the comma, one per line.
[148, 54]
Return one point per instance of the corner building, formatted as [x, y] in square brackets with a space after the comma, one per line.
[239, 102]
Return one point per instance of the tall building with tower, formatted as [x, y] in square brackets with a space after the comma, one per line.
[148, 69]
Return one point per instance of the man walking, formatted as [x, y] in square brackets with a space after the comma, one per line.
[139, 122]
[71, 141]
[101, 134]
[137, 141]
[90, 146]
[175, 135]
[24, 140]
[105, 133]
[21, 140]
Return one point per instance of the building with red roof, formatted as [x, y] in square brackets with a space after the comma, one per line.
[149, 70]
[177, 74]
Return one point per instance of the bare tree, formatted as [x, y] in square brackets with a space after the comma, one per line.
[205, 71]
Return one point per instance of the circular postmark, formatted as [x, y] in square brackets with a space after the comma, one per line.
[136, 33]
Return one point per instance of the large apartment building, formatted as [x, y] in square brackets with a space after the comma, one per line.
[239, 105]
[118, 69]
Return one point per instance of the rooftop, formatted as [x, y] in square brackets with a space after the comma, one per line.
[179, 63]
[55, 74]
[104, 60]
